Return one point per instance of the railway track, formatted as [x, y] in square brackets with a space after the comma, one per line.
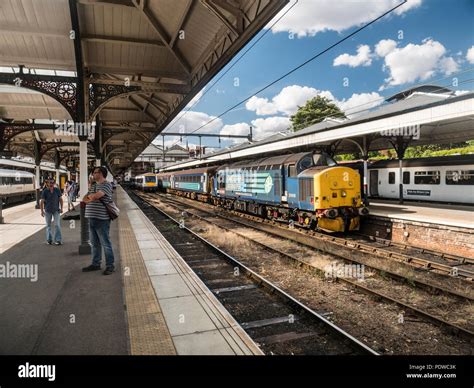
[276, 321]
[446, 264]
[360, 245]
[211, 218]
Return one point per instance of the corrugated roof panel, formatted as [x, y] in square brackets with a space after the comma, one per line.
[201, 29]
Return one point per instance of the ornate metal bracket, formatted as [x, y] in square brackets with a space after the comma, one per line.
[62, 89]
[9, 131]
[100, 94]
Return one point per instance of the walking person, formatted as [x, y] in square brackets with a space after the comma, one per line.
[51, 206]
[99, 221]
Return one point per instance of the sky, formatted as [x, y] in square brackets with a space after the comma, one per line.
[423, 41]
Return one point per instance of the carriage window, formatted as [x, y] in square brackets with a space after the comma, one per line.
[461, 177]
[406, 177]
[391, 178]
[221, 182]
[291, 170]
[427, 178]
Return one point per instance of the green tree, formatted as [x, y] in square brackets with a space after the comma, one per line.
[313, 112]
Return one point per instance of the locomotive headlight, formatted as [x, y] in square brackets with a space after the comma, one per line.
[343, 193]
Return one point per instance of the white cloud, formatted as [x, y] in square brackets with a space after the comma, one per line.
[470, 55]
[261, 106]
[308, 17]
[359, 103]
[384, 47]
[260, 127]
[291, 97]
[268, 126]
[239, 129]
[190, 121]
[287, 101]
[448, 65]
[415, 62]
[362, 58]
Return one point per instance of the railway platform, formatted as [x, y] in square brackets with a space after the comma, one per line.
[430, 213]
[153, 304]
[442, 227]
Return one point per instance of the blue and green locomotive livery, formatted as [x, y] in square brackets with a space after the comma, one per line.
[307, 189]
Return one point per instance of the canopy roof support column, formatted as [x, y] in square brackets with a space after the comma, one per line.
[37, 149]
[400, 144]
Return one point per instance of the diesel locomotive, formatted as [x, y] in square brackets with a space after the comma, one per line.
[307, 189]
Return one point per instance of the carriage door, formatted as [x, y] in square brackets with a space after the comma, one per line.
[374, 183]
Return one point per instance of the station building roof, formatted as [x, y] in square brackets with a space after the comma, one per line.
[434, 118]
[128, 65]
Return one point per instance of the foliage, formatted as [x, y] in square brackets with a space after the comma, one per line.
[314, 111]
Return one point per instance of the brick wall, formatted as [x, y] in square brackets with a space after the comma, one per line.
[446, 239]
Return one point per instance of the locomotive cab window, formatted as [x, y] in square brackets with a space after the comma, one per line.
[461, 177]
[427, 178]
[391, 178]
[323, 160]
[305, 163]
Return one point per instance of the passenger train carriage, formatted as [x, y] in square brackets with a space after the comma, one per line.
[308, 189]
[16, 186]
[438, 179]
[194, 183]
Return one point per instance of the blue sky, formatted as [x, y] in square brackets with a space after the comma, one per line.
[424, 41]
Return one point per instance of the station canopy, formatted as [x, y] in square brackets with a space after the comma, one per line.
[126, 66]
[424, 115]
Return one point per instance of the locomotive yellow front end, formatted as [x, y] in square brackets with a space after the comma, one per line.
[338, 199]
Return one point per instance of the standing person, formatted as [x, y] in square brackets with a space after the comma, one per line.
[99, 221]
[70, 187]
[76, 191]
[51, 205]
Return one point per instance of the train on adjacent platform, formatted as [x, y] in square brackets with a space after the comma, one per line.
[446, 179]
[144, 182]
[17, 180]
[16, 186]
[307, 189]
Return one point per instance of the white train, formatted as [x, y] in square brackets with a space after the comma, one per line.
[145, 182]
[437, 179]
[46, 169]
[16, 185]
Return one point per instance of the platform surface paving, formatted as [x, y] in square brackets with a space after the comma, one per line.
[153, 304]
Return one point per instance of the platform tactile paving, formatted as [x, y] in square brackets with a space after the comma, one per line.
[148, 332]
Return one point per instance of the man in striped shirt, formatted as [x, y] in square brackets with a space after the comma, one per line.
[99, 221]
